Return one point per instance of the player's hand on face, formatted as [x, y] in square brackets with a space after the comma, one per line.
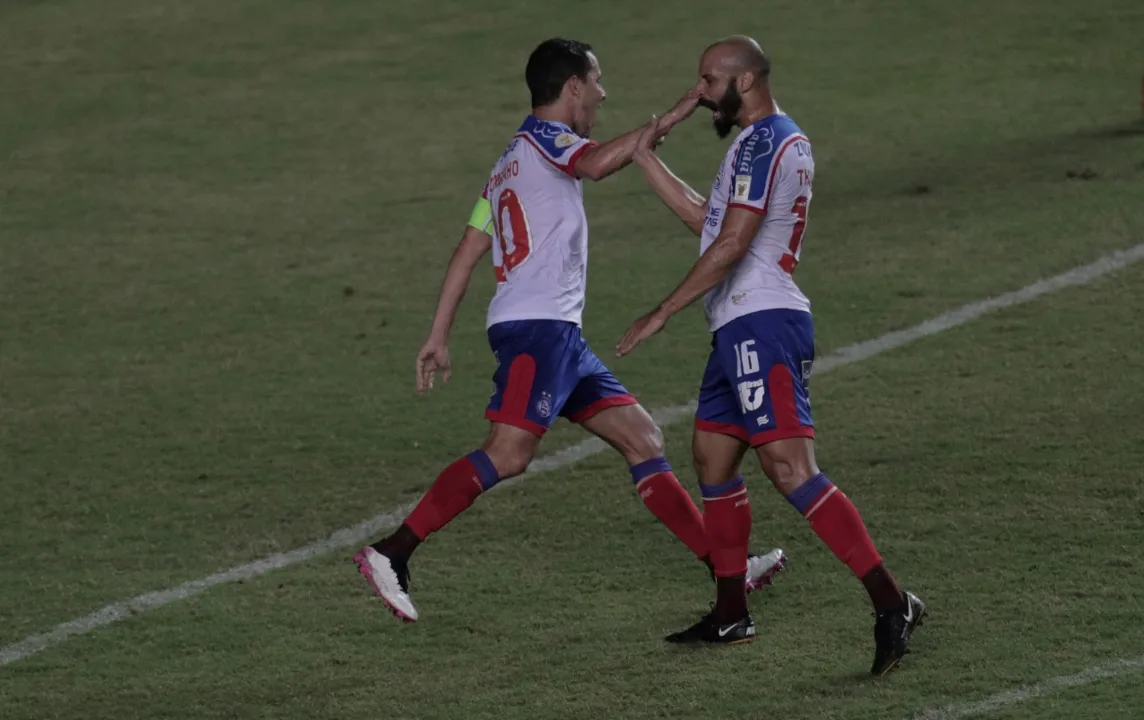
[641, 330]
[433, 358]
[681, 111]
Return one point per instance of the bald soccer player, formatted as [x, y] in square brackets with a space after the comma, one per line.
[755, 392]
[531, 216]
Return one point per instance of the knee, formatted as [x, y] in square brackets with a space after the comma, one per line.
[650, 442]
[642, 444]
[508, 463]
[788, 475]
[510, 459]
[701, 464]
[712, 470]
[788, 463]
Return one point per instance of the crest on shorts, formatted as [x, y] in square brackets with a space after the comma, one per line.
[544, 405]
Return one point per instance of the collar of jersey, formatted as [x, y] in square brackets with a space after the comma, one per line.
[532, 123]
[765, 121]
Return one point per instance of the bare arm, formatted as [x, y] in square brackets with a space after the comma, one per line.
[600, 161]
[434, 354]
[733, 243]
[473, 246]
[739, 228]
[597, 163]
[688, 205]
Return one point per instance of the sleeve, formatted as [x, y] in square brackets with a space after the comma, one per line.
[482, 215]
[758, 169]
[560, 147]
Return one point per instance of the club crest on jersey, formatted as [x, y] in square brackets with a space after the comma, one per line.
[563, 140]
[544, 405]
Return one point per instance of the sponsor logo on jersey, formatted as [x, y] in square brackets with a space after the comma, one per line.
[751, 394]
[760, 143]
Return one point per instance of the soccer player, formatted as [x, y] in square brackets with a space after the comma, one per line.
[531, 215]
[754, 392]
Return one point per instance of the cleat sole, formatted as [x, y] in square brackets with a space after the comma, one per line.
[363, 569]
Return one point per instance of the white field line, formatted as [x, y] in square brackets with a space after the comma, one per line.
[355, 534]
[1051, 686]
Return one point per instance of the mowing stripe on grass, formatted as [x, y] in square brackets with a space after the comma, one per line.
[350, 536]
[1051, 686]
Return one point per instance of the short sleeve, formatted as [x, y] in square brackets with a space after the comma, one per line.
[558, 145]
[758, 168]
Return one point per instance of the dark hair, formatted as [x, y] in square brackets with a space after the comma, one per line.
[551, 64]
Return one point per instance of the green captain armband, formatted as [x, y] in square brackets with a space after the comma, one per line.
[482, 217]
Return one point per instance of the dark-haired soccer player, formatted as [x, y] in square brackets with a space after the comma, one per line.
[531, 214]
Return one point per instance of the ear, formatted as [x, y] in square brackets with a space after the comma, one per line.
[575, 86]
[745, 81]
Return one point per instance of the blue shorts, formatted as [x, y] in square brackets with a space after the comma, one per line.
[545, 369]
[756, 385]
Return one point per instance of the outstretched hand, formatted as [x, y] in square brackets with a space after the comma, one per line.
[643, 328]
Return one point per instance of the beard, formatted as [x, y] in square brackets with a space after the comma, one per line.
[726, 110]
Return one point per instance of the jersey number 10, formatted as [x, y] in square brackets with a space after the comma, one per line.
[513, 234]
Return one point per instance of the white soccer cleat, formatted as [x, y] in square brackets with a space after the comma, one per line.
[761, 569]
[391, 583]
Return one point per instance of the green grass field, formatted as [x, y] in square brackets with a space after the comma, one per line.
[222, 229]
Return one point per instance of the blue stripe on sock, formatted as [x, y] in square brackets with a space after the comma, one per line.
[648, 468]
[710, 492]
[805, 495]
[486, 471]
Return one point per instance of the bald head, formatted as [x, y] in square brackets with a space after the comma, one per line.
[734, 82]
[738, 54]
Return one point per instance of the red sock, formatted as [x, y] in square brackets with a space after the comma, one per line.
[669, 502]
[727, 519]
[452, 492]
[835, 519]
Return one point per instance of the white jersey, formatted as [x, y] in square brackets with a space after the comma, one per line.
[768, 170]
[540, 231]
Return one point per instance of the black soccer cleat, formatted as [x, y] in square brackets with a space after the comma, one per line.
[713, 633]
[892, 634]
